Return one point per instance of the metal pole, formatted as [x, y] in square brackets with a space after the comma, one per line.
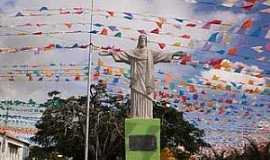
[97, 140]
[89, 82]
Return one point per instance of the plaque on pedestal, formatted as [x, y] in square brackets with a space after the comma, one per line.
[142, 138]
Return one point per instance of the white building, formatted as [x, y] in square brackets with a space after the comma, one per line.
[12, 148]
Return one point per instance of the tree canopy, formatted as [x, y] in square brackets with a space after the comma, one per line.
[62, 126]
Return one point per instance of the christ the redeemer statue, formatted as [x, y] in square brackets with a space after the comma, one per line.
[141, 61]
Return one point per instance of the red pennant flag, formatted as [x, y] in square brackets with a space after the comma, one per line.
[111, 13]
[77, 8]
[162, 45]
[156, 31]
[64, 12]
[104, 32]
[191, 25]
[208, 24]
[247, 24]
[37, 33]
[78, 12]
[216, 63]
[49, 46]
[77, 78]
[248, 5]
[185, 36]
[232, 51]
[215, 21]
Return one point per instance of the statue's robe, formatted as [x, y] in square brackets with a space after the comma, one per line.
[142, 85]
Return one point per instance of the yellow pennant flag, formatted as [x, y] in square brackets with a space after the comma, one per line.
[177, 44]
[100, 62]
[48, 72]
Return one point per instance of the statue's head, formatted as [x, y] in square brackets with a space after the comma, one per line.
[142, 41]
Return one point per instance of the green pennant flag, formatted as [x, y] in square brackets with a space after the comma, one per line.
[119, 34]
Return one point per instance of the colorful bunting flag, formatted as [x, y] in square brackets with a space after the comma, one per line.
[113, 28]
[191, 25]
[68, 25]
[232, 51]
[119, 34]
[258, 49]
[94, 31]
[179, 20]
[213, 37]
[247, 24]
[257, 32]
[128, 16]
[19, 14]
[43, 9]
[162, 45]
[98, 25]
[229, 3]
[208, 24]
[104, 32]
[185, 36]
[177, 44]
[155, 31]
[111, 13]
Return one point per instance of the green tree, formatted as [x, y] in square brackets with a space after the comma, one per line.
[62, 126]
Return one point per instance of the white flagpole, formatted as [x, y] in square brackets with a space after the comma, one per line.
[89, 82]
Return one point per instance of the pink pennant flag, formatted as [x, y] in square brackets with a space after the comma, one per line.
[267, 46]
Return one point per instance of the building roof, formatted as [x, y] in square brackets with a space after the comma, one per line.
[2, 133]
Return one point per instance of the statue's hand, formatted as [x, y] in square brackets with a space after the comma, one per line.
[149, 90]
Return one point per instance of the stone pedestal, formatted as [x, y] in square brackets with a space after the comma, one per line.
[142, 139]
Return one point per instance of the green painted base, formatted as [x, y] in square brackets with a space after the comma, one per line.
[142, 139]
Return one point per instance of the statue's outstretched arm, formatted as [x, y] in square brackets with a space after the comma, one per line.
[117, 54]
[166, 57]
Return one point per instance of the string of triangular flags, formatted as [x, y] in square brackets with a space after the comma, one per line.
[206, 47]
[246, 25]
